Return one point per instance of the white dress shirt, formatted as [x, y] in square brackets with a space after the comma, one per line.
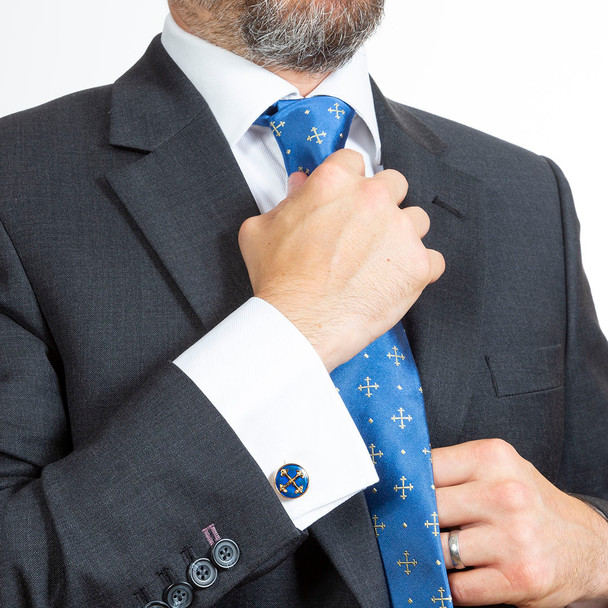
[276, 394]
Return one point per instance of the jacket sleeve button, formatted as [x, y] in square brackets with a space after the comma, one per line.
[202, 573]
[179, 595]
[225, 553]
[156, 604]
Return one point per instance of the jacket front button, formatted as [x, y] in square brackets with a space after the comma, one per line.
[202, 573]
[179, 595]
[225, 553]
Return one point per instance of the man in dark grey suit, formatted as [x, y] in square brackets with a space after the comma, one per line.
[120, 212]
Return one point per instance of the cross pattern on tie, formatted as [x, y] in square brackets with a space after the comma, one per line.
[308, 130]
[381, 388]
[393, 421]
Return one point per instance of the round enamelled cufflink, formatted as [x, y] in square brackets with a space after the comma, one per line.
[291, 481]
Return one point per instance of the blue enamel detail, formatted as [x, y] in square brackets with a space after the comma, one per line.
[291, 481]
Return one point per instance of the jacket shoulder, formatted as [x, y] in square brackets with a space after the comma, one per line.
[85, 114]
[48, 149]
[485, 156]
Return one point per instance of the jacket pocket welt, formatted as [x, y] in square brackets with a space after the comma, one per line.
[524, 371]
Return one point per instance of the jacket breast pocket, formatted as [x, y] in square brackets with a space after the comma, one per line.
[524, 371]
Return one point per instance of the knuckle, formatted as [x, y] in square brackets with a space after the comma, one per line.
[418, 216]
[408, 223]
[421, 212]
[418, 265]
[524, 536]
[530, 578]
[375, 192]
[439, 262]
[331, 172]
[398, 178]
[247, 229]
[346, 153]
[345, 157]
[422, 266]
[513, 496]
[497, 451]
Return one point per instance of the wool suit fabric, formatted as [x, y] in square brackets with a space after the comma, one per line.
[119, 214]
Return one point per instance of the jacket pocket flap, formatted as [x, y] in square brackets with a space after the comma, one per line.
[526, 371]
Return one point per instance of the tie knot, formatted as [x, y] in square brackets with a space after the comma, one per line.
[308, 130]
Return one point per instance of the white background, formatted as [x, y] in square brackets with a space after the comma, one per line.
[533, 72]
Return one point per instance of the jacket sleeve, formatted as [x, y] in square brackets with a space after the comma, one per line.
[584, 465]
[112, 521]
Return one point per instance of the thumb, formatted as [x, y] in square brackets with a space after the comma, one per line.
[295, 183]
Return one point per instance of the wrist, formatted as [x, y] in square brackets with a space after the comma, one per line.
[333, 344]
[596, 595]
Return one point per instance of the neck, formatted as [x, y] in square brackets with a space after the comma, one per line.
[305, 82]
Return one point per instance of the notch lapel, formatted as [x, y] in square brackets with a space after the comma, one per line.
[188, 203]
[443, 324]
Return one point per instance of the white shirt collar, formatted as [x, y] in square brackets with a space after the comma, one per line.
[238, 91]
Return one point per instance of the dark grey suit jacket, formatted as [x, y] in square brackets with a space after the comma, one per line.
[119, 214]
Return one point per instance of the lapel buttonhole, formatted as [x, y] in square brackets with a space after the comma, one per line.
[440, 203]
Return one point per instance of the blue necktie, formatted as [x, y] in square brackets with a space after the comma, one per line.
[308, 130]
[381, 388]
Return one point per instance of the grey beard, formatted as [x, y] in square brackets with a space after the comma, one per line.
[314, 37]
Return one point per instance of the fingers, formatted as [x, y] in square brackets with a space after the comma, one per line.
[437, 265]
[419, 218]
[464, 504]
[348, 159]
[397, 186]
[295, 183]
[480, 587]
[483, 459]
[353, 162]
[477, 546]
[452, 465]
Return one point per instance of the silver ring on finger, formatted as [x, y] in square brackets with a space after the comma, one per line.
[454, 549]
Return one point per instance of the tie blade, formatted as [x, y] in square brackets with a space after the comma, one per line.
[381, 388]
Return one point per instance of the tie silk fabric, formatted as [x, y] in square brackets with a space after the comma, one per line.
[381, 388]
[308, 130]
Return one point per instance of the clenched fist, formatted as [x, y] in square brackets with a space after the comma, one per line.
[339, 258]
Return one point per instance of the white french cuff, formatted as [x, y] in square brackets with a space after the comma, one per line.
[271, 386]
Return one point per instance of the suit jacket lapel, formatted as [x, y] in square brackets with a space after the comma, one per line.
[188, 203]
[443, 324]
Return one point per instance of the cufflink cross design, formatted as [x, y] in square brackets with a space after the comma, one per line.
[291, 481]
